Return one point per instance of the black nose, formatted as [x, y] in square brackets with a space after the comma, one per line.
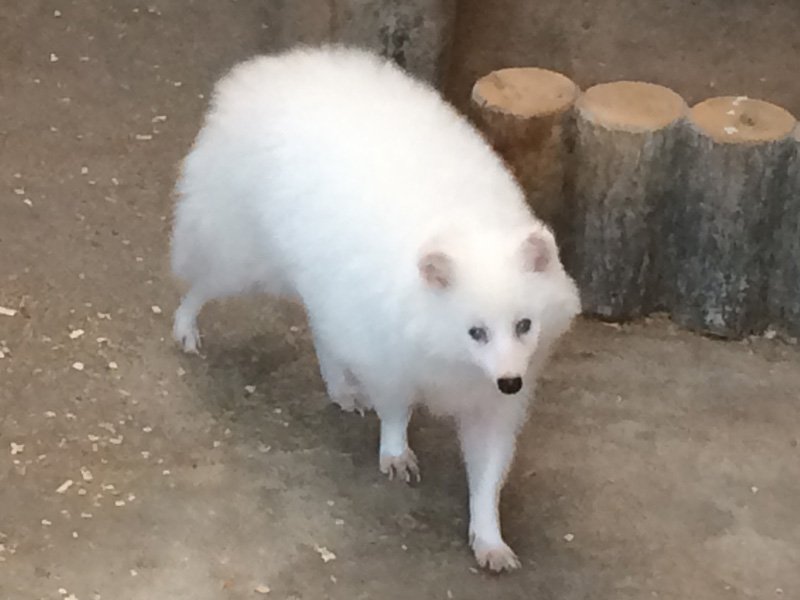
[509, 385]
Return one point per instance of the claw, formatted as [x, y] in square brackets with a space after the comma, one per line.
[494, 557]
[403, 466]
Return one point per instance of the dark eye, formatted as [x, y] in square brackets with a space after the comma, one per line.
[523, 327]
[479, 334]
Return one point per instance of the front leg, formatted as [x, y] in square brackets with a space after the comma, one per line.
[488, 438]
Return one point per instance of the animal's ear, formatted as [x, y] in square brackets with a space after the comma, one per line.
[538, 251]
[436, 269]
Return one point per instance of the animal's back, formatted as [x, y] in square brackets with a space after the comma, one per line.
[340, 159]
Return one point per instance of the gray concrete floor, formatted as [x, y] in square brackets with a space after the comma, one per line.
[670, 462]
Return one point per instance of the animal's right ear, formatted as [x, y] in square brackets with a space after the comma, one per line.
[436, 269]
[539, 251]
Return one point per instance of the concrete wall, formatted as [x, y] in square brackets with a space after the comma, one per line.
[700, 48]
[416, 34]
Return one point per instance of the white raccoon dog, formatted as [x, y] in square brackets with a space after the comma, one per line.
[330, 176]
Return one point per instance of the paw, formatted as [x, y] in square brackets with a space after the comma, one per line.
[495, 557]
[345, 392]
[187, 335]
[403, 467]
[350, 402]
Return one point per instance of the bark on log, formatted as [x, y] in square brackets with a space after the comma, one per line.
[626, 136]
[736, 156]
[784, 289]
[416, 34]
[525, 115]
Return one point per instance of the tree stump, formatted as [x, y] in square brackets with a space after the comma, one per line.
[415, 34]
[525, 115]
[626, 136]
[784, 288]
[736, 158]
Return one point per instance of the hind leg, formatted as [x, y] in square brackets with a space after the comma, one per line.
[396, 458]
[342, 385]
[184, 328]
[393, 402]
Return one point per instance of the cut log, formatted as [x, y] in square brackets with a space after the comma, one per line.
[736, 156]
[784, 288]
[415, 34]
[524, 114]
[623, 175]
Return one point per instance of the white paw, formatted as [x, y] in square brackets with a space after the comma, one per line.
[346, 393]
[350, 399]
[187, 335]
[495, 557]
[403, 467]
[351, 402]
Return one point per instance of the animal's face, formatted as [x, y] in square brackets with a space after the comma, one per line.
[500, 299]
[503, 347]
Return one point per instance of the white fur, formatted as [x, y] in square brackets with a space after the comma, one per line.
[330, 176]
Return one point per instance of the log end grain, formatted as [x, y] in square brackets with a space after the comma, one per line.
[632, 106]
[728, 224]
[525, 114]
[524, 92]
[626, 136]
[741, 120]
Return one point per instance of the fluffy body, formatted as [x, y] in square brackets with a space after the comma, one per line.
[332, 177]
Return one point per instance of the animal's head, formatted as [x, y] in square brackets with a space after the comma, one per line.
[499, 300]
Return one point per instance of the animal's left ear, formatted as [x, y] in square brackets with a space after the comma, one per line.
[538, 251]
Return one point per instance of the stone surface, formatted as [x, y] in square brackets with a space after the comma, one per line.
[645, 447]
